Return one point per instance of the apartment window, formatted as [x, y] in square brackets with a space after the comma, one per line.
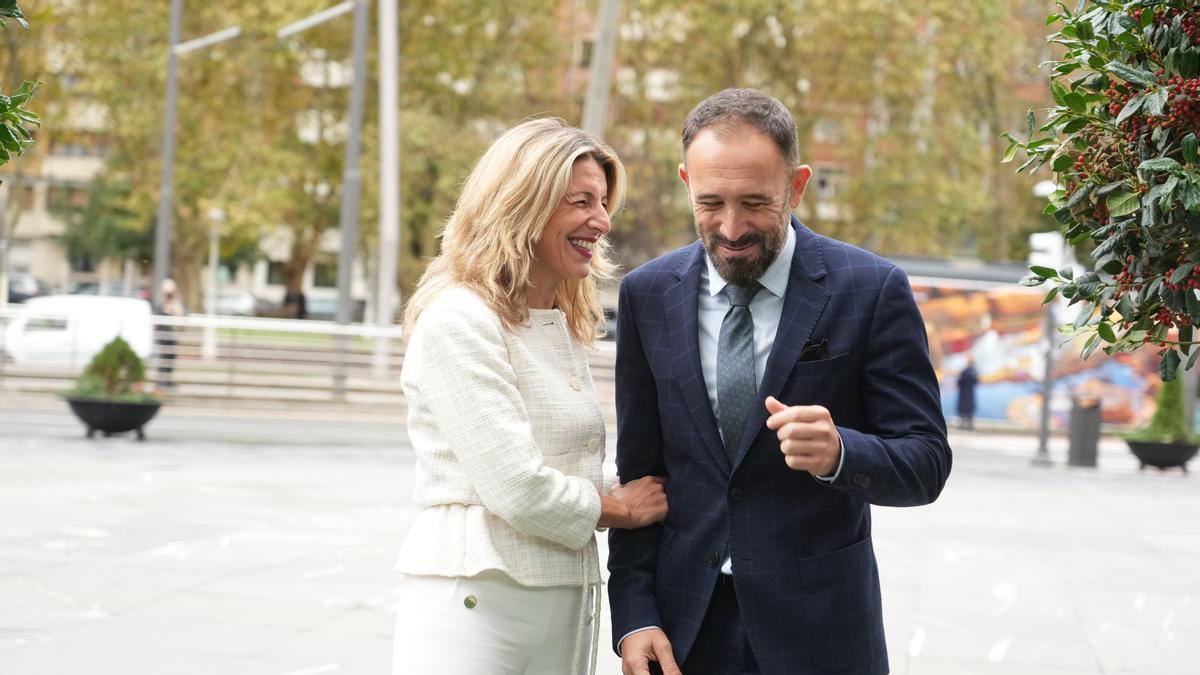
[585, 53]
[325, 275]
[828, 131]
[65, 198]
[276, 275]
[829, 182]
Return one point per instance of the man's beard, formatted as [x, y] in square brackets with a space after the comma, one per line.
[742, 271]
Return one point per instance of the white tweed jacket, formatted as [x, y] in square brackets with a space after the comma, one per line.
[509, 440]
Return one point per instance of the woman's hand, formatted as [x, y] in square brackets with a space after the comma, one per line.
[635, 504]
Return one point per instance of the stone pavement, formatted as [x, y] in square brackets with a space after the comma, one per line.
[230, 545]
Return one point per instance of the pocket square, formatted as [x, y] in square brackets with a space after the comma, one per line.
[815, 350]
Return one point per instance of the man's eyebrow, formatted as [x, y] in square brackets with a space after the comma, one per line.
[755, 196]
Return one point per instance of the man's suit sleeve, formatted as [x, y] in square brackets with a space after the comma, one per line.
[901, 457]
[633, 553]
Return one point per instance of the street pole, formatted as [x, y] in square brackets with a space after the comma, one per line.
[389, 178]
[208, 349]
[595, 107]
[1043, 455]
[351, 187]
[162, 223]
[4, 190]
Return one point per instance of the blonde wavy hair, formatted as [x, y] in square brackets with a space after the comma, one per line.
[487, 243]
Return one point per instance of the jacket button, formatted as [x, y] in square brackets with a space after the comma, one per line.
[736, 494]
[862, 480]
[714, 559]
[595, 445]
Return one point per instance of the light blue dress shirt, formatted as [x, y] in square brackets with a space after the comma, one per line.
[765, 310]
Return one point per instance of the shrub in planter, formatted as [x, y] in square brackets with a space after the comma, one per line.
[1168, 440]
[110, 395]
[115, 374]
[1122, 141]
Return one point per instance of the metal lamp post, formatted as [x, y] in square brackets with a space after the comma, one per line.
[216, 218]
[1047, 248]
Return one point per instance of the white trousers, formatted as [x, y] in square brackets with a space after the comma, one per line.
[511, 630]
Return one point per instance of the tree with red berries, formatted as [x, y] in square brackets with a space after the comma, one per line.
[1122, 140]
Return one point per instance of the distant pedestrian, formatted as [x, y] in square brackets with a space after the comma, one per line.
[967, 380]
[166, 345]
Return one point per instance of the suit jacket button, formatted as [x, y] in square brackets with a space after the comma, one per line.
[714, 559]
[736, 494]
[862, 480]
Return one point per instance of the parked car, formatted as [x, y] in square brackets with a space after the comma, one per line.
[234, 302]
[23, 286]
[324, 308]
[68, 330]
[113, 289]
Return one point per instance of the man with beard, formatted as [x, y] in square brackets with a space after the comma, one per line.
[781, 381]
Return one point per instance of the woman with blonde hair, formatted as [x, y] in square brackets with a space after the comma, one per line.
[501, 574]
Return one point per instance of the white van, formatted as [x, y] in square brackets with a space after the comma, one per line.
[68, 330]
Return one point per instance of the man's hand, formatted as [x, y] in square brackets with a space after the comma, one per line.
[807, 437]
[640, 648]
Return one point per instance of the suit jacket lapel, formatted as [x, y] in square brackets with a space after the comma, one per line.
[682, 305]
[802, 306]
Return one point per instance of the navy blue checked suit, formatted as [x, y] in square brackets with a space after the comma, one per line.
[804, 568]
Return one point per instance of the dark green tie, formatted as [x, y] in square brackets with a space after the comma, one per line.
[736, 392]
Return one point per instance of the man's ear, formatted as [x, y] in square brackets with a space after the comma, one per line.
[798, 183]
[683, 175]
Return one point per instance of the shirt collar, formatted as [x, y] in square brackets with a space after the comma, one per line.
[775, 279]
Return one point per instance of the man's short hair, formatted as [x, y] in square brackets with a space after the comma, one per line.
[730, 108]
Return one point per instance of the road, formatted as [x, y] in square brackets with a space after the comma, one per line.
[232, 545]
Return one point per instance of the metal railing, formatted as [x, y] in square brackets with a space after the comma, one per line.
[246, 362]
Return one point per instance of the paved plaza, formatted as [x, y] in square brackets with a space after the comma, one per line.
[227, 545]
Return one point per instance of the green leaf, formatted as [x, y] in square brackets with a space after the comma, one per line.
[1192, 302]
[1131, 108]
[1050, 296]
[1192, 360]
[1185, 337]
[1075, 102]
[1122, 203]
[1125, 308]
[1029, 123]
[1058, 91]
[1181, 272]
[1062, 163]
[1159, 164]
[1063, 215]
[1189, 64]
[1010, 153]
[1090, 345]
[1191, 197]
[1067, 272]
[1136, 76]
[1155, 102]
[1074, 125]
[1105, 189]
[1085, 314]
[1044, 272]
[1106, 333]
[1168, 365]
[1079, 196]
[1031, 281]
[1189, 148]
[1149, 214]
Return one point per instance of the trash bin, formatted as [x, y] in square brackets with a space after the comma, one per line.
[1084, 432]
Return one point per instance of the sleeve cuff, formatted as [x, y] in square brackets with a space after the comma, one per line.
[841, 461]
[636, 630]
